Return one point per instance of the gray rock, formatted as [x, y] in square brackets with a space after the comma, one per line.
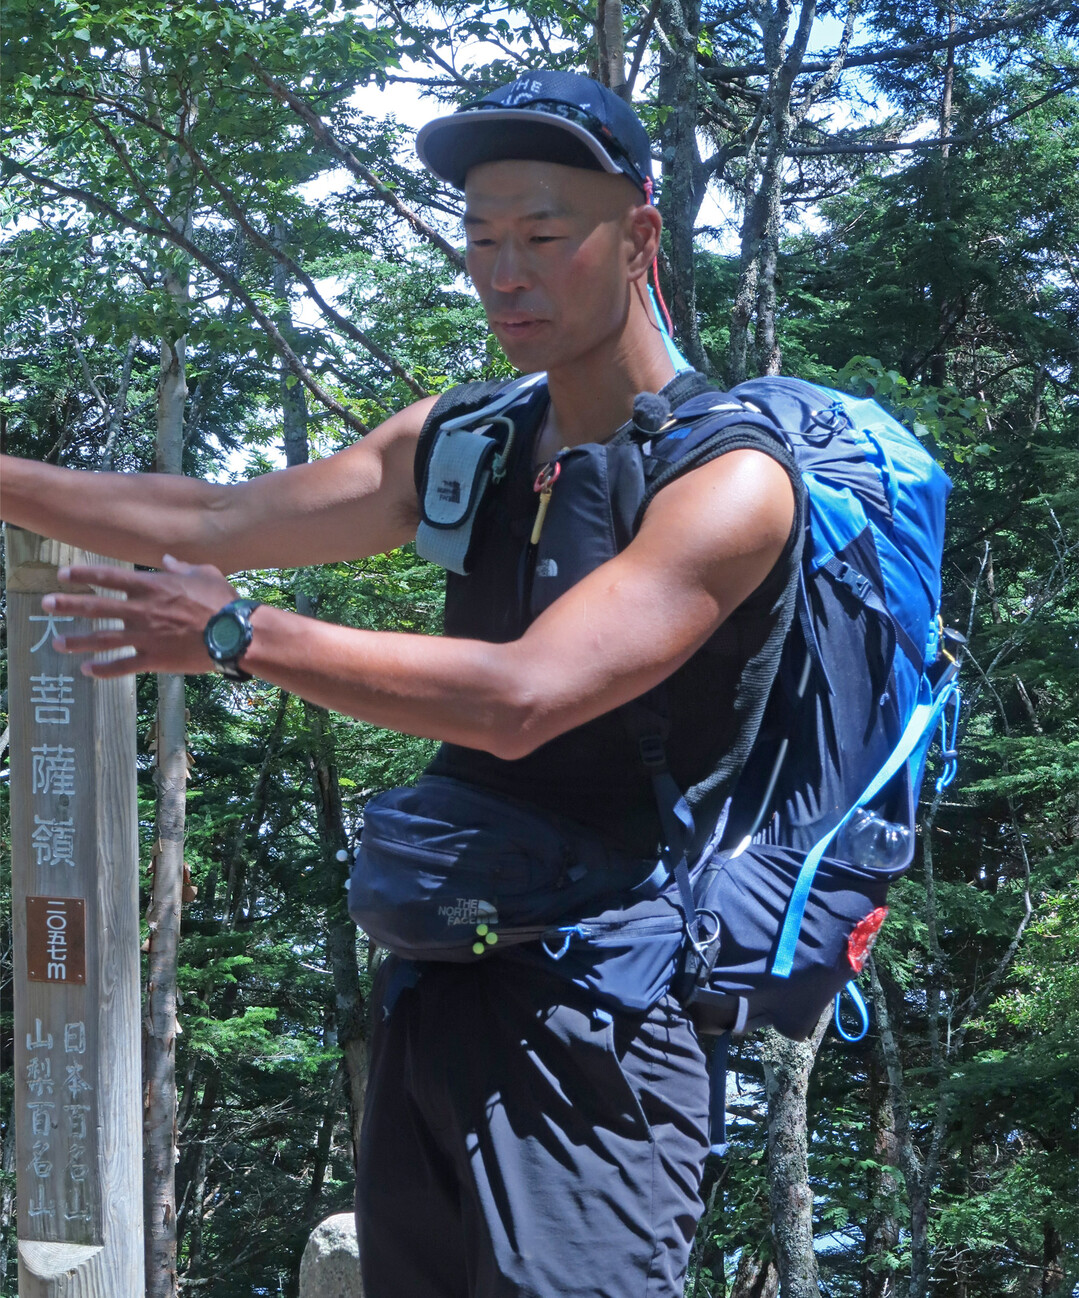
[330, 1266]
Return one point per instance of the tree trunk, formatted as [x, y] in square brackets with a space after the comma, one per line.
[761, 225]
[159, 1057]
[756, 1277]
[7, 1196]
[787, 1066]
[683, 172]
[350, 1009]
[349, 1005]
[1052, 1262]
[159, 1028]
[611, 43]
[938, 364]
[882, 1220]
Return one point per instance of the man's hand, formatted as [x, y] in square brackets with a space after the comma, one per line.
[163, 616]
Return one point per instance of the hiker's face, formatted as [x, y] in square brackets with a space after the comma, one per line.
[553, 252]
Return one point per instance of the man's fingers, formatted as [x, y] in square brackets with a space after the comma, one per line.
[103, 671]
[171, 564]
[92, 642]
[123, 579]
[87, 606]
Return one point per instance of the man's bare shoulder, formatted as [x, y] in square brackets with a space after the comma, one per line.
[728, 521]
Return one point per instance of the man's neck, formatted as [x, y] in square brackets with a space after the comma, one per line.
[593, 396]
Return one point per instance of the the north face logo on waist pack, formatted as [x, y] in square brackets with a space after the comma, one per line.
[468, 911]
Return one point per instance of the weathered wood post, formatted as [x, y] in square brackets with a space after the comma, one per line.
[76, 924]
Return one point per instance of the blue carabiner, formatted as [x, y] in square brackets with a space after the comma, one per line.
[863, 1013]
[567, 938]
[947, 742]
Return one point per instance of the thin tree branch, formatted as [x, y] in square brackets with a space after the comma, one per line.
[165, 231]
[895, 146]
[99, 399]
[648, 23]
[904, 53]
[116, 418]
[824, 83]
[258, 239]
[348, 159]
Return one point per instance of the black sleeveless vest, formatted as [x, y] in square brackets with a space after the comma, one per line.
[594, 773]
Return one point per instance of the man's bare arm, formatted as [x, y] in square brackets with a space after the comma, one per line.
[706, 543]
[357, 502]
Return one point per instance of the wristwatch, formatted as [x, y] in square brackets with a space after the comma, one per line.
[227, 636]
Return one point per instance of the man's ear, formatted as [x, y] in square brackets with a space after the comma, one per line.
[644, 225]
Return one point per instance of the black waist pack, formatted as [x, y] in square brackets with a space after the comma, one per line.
[446, 871]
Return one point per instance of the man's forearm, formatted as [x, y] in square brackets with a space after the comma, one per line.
[133, 516]
[462, 691]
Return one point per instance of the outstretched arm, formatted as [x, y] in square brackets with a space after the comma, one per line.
[706, 543]
[360, 501]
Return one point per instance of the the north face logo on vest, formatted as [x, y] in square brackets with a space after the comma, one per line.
[449, 490]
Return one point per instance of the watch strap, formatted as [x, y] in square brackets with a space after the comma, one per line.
[230, 667]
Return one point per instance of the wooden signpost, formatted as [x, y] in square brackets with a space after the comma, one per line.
[76, 924]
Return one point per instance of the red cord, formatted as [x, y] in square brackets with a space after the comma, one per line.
[648, 193]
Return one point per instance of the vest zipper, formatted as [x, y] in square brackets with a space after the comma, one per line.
[543, 486]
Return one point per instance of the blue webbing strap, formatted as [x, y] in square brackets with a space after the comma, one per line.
[918, 731]
[856, 996]
[677, 822]
[862, 589]
[676, 358]
[717, 1097]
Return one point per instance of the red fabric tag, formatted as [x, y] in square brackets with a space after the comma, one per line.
[864, 934]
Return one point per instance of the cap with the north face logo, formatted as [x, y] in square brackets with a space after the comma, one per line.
[544, 117]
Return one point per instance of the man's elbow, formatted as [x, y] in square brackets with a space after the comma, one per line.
[518, 724]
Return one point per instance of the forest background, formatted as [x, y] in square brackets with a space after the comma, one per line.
[218, 254]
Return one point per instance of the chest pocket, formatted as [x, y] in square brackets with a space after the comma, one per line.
[589, 518]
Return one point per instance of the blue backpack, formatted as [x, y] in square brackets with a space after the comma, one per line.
[822, 819]
[779, 912]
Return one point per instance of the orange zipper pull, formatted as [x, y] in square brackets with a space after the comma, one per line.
[544, 484]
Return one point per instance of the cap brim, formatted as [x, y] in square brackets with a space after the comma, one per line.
[450, 146]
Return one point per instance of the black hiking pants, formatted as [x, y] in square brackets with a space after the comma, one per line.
[517, 1141]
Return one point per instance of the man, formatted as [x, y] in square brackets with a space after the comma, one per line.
[517, 1139]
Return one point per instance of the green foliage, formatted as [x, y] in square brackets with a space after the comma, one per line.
[948, 292]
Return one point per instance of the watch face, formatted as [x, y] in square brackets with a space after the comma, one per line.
[227, 634]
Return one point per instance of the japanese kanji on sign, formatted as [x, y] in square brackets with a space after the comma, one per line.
[75, 912]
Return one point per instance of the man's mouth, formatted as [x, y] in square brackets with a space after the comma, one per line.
[517, 324]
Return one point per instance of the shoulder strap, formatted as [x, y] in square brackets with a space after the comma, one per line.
[464, 399]
[704, 428]
[464, 447]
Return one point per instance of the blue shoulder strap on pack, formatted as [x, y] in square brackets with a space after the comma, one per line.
[676, 358]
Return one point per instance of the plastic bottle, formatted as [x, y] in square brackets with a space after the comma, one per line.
[870, 840]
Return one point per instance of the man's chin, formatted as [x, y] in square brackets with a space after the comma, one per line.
[527, 349]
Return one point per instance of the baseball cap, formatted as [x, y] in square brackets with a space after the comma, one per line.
[544, 117]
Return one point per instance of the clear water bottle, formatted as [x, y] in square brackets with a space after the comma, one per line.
[870, 840]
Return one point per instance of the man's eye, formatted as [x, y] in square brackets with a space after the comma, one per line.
[481, 243]
[546, 238]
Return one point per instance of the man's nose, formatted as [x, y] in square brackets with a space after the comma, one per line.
[510, 270]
